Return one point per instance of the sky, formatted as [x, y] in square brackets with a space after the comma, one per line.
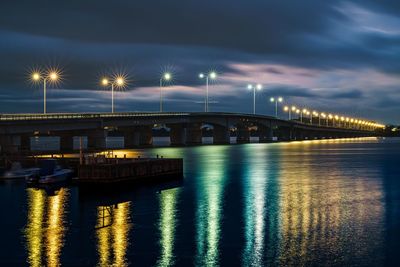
[340, 57]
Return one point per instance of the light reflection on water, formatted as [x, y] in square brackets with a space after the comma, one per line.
[113, 226]
[303, 203]
[167, 226]
[45, 227]
[255, 184]
[209, 211]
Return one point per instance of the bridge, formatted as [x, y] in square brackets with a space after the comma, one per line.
[185, 128]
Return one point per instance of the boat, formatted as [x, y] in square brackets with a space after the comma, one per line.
[17, 172]
[50, 173]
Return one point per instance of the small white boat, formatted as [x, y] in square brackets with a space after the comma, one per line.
[17, 172]
[50, 173]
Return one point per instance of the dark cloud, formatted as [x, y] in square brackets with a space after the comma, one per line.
[348, 94]
[89, 39]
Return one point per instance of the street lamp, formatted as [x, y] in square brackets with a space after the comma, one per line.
[316, 114]
[276, 100]
[323, 115]
[212, 75]
[330, 117]
[290, 110]
[254, 88]
[118, 81]
[51, 76]
[299, 114]
[165, 77]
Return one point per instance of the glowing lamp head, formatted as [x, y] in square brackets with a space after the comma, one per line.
[201, 75]
[167, 76]
[53, 76]
[249, 86]
[294, 108]
[286, 108]
[213, 75]
[272, 99]
[280, 99]
[36, 76]
[104, 81]
[259, 86]
[297, 111]
[119, 81]
[304, 110]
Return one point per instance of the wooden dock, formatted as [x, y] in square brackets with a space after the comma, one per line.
[118, 170]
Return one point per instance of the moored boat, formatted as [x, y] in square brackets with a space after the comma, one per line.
[17, 172]
[50, 173]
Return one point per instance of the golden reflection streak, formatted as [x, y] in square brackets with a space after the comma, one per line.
[34, 228]
[55, 227]
[120, 230]
[313, 210]
[167, 225]
[208, 215]
[113, 223]
[255, 187]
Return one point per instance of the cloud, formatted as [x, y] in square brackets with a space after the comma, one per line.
[340, 55]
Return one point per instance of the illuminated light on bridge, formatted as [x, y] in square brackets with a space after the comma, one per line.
[276, 100]
[51, 75]
[167, 76]
[290, 110]
[212, 75]
[347, 122]
[119, 81]
[257, 87]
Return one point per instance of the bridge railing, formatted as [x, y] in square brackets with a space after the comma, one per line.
[30, 116]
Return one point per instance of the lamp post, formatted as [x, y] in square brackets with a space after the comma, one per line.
[302, 113]
[330, 117]
[165, 77]
[316, 114]
[323, 115]
[276, 100]
[51, 76]
[254, 88]
[290, 110]
[212, 75]
[298, 111]
[118, 81]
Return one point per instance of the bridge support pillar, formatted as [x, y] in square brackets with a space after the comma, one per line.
[193, 134]
[137, 136]
[8, 144]
[221, 135]
[264, 134]
[96, 139]
[66, 142]
[177, 134]
[25, 143]
[145, 136]
[130, 139]
[243, 134]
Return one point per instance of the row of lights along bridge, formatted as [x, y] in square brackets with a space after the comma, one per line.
[303, 114]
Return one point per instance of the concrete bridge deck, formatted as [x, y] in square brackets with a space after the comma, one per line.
[185, 128]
